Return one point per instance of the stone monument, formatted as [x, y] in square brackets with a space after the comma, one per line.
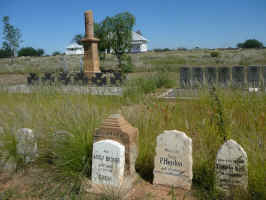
[108, 162]
[90, 44]
[173, 160]
[253, 76]
[117, 129]
[197, 76]
[224, 76]
[231, 167]
[210, 75]
[26, 144]
[238, 76]
[185, 77]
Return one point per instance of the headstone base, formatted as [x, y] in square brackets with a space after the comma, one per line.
[97, 189]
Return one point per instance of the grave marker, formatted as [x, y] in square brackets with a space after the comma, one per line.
[26, 144]
[108, 162]
[253, 76]
[238, 76]
[185, 77]
[231, 166]
[210, 75]
[197, 76]
[116, 128]
[173, 160]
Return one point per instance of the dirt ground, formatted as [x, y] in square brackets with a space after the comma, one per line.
[36, 183]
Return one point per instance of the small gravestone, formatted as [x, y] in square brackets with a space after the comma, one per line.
[26, 144]
[173, 160]
[197, 76]
[116, 128]
[238, 76]
[185, 77]
[253, 76]
[108, 162]
[231, 167]
[210, 75]
[223, 76]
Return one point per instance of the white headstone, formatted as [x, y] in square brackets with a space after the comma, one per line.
[26, 144]
[231, 166]
[173, 160]
[108, 163]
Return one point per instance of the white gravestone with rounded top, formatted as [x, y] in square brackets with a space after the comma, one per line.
[231, 166]
[108, 163]
[26, 144]
[173, 160]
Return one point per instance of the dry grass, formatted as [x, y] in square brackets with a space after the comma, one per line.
[143, 61]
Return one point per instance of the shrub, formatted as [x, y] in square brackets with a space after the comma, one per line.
[56, 53]
[29, 51]
[5, 53]
[215, 54]
[251, 43]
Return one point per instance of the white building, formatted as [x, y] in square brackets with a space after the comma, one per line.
[139, 44]
[74, 49]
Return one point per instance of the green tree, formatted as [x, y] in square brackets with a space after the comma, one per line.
[251, 43]
[40, 52]
[77, 38]
[29, 51]
[5, 51]
[121, 34]
[12, 36]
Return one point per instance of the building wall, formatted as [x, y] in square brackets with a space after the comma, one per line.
[74, 52]
[137, 48]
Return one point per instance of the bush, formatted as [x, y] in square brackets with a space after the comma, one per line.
[56, 53]
[30, 51]
[215, 54]
[5, 53]
[251, 43]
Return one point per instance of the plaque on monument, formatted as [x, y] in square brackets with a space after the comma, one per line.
[253, 76]
[108, 161]
[173, 160]
[231, 166]
[197, 76]
[223, 76]
[210, 75]
[238, 76]
[185, 77]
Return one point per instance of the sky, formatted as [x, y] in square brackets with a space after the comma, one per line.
[51, 24]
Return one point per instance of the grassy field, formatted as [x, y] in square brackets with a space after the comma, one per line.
[142, 62]
[59, 171]
[243, 119]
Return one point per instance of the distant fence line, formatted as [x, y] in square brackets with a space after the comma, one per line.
[238, 76]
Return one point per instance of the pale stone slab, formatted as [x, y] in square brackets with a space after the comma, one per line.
[26, 144]
[173, 160]
[231, 166]
[108, 163]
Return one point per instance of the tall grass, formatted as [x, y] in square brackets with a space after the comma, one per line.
[208, 121]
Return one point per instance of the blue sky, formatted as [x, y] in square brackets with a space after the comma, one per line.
[51, 24]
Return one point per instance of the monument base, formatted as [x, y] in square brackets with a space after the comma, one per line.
[122, 190]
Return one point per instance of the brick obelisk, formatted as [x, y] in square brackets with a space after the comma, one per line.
[91, 58]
